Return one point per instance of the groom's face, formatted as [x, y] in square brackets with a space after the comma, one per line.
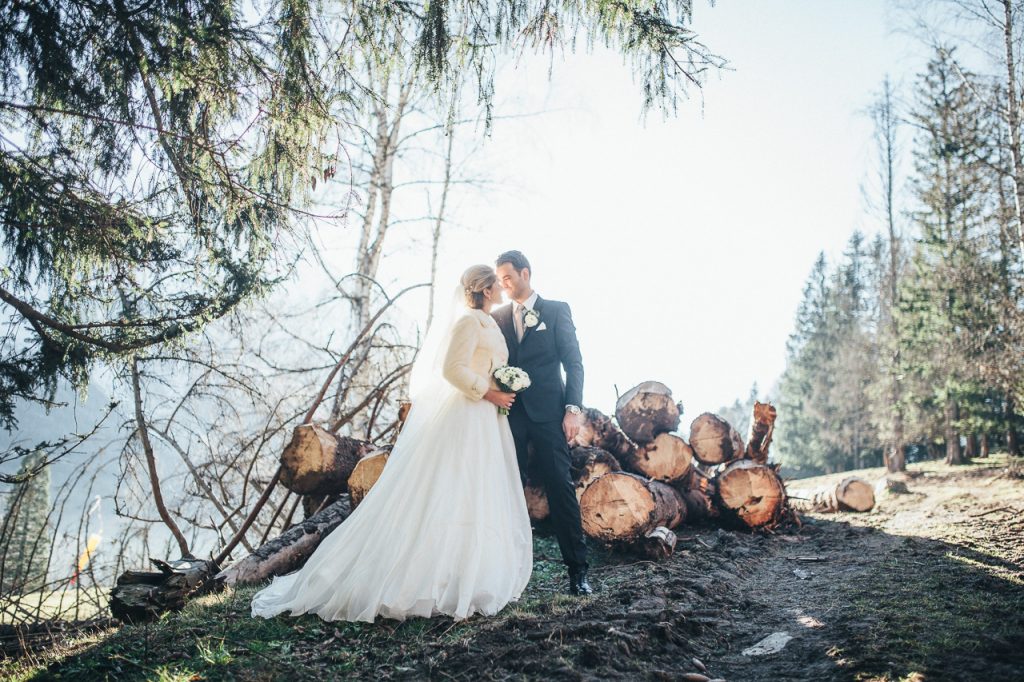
[516, 284]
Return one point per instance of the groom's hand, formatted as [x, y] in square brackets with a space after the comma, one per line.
[571, 425]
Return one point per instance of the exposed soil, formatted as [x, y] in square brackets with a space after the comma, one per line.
[928, 586]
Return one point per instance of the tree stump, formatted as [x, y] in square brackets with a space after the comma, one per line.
[714, 441]
[316, 462]
[762, 426]
[751, 493]
[142, 596]
[851, 494]
[646, 410]
[287, 551]
[365, 474]
[623, 507]
[589, 464]
[667, 458]
[599, 431]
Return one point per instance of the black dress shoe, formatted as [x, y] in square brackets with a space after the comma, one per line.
[578, 585]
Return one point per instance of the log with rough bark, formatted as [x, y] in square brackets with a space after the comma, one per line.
[646, 410]
[851, 494]
[659, 543]
[714, 441]
[287, 551]
[667, 458]
[318, 463]
[623, 507]
[365, 474]
[762, 426]
[599, 431]
[751, 493]
[699, 502]
[536, 502]
[141, 596]
[589, 464]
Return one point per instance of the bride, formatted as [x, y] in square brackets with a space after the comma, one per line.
[445, 529]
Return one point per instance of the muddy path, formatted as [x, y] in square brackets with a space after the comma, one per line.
[928, 586]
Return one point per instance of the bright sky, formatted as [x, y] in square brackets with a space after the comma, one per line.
[682, 245]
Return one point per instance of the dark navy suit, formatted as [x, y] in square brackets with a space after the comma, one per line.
[536, 416]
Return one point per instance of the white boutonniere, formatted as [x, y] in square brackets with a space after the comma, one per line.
[531, 318]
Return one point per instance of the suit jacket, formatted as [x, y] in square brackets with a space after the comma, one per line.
[545, 350]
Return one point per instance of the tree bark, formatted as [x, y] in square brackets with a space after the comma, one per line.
[588, 465]
[659, 544]
[714, 441]
[646, 410]
[599, 431]
[288, 551]
[142, 596]
[1010, 416]
[318, 463]
[623, 507]
[762, 427]
[954, 454]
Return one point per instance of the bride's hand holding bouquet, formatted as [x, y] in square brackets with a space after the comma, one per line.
[511, 380]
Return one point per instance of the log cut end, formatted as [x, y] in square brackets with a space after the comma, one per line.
[714, 441]
[536, 502]
[588, 465]
[752, 492]
[623, 507]
[667, 458]
[855, 494]
[646, 410]
[365, 475]
[599, 431]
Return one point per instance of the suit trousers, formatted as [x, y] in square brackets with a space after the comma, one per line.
[551, 466]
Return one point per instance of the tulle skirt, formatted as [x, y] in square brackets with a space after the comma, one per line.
[443, 531]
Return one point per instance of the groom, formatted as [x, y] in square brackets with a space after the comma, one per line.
[542, 341]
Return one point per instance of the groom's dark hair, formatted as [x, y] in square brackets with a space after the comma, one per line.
[516, 259]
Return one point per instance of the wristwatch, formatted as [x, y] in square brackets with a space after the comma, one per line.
[573, 409]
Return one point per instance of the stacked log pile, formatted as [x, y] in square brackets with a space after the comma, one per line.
[667, 481]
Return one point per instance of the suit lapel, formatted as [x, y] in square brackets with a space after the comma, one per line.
[538, 308]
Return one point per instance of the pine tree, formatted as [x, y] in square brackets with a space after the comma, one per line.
[25, 534]
[940, 304]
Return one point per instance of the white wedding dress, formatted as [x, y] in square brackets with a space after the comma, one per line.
[445, 529]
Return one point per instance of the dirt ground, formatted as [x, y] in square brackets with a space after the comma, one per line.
[928, 586]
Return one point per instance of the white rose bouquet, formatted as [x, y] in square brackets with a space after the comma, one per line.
[511, 380]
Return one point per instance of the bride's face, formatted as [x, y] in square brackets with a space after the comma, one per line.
[493, 293]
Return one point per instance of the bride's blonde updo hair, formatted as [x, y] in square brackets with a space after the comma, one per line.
[475, 281]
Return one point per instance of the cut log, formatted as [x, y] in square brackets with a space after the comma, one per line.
[536, 502]
[599, 431]
[365, 474]
[624, 507]
[589, 464]
[646, 410]
[667, 458]
[142, 596]
[714, 441]
[316, 462]
[659, 544]
[287, 551]
[751, 493]
[762, 426]
[851, 494]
